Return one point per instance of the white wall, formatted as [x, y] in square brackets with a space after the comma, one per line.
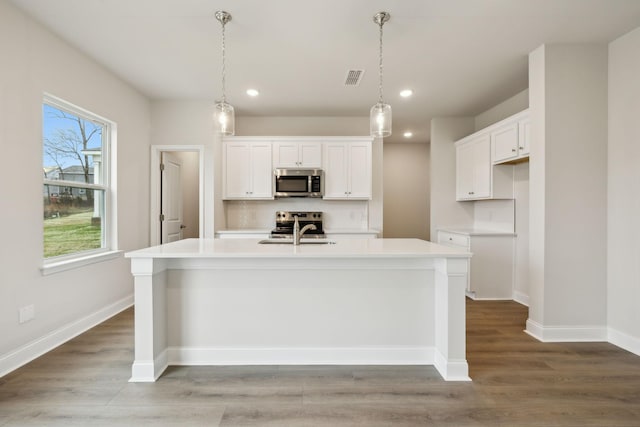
[406, 190]
[568, 175]
[623, 255]
[190, 123]
[35, 61]
[301, 125]
[508, 107]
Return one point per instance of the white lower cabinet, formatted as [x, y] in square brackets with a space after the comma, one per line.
[491, 266]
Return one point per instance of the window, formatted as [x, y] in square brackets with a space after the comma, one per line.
[76, 197]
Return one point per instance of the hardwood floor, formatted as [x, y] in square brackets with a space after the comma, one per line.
[517, 381]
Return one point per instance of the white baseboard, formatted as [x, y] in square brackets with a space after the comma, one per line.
[301, 356]
[451, 370]
[149, 371]
[472, 295]
[566, 333]
[624, 341]
[25, 354]
[521, 298]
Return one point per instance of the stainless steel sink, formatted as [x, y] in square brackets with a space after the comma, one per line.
[290, 242]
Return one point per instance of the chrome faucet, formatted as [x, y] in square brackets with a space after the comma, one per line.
[297, 232]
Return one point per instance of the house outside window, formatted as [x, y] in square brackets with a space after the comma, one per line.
[76, 177]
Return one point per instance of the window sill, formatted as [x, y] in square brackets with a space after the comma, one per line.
[70, 264]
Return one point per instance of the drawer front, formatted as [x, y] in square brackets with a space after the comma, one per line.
[453, 239]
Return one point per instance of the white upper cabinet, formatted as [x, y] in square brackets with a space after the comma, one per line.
[504, 142]
[484, 160]
[510, 138]
[297, 154]
[247, 170]
[477, 178]
[347, 169]
[473, 168]
[248, 163]
[524, 136]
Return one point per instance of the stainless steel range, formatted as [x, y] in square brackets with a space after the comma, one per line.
[285, 221]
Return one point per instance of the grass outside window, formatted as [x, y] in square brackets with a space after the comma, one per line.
[75, 232]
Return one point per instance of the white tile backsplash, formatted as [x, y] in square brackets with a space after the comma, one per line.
[494, 215]
[261, 214]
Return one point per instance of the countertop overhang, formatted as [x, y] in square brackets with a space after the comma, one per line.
[348, 248]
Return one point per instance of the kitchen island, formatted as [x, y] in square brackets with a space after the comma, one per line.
[239, 302]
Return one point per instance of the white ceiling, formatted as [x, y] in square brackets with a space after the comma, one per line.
[460, 57]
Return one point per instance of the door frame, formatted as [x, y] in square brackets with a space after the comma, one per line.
[155, 196]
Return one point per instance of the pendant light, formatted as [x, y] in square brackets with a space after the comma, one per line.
[380, 117]
[223, 115]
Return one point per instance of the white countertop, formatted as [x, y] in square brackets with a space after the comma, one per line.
[476, 231]
[326, 230]
[350, 231]
[348, 248]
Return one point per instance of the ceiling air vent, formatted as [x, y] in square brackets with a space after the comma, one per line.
[353, 77]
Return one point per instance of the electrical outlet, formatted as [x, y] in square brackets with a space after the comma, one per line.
[27, 313]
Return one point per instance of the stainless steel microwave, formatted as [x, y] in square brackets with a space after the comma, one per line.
[298, 182]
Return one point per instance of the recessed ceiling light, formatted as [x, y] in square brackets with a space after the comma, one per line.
[408, 134]
[252, 92]
[406, 93]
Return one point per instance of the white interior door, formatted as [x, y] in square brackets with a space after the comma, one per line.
[171, 221]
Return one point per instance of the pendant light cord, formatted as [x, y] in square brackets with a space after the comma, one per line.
[380, 65]
[224, 68]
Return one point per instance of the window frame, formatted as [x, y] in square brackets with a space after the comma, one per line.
[108, 249]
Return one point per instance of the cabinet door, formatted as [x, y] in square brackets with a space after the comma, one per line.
[504, 143]
[464, 171]
[335, 168]
[524, 137]
[482, 168]
[261, 171]
[359, 171]
[285, 154]
[237, 178]
[310, 155]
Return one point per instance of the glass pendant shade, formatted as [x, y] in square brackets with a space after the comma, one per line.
[224, 118]
[380, 120]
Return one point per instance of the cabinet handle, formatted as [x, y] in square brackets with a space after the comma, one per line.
[450, 238]
[522, 148]
[513, 150]
[471, 192]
